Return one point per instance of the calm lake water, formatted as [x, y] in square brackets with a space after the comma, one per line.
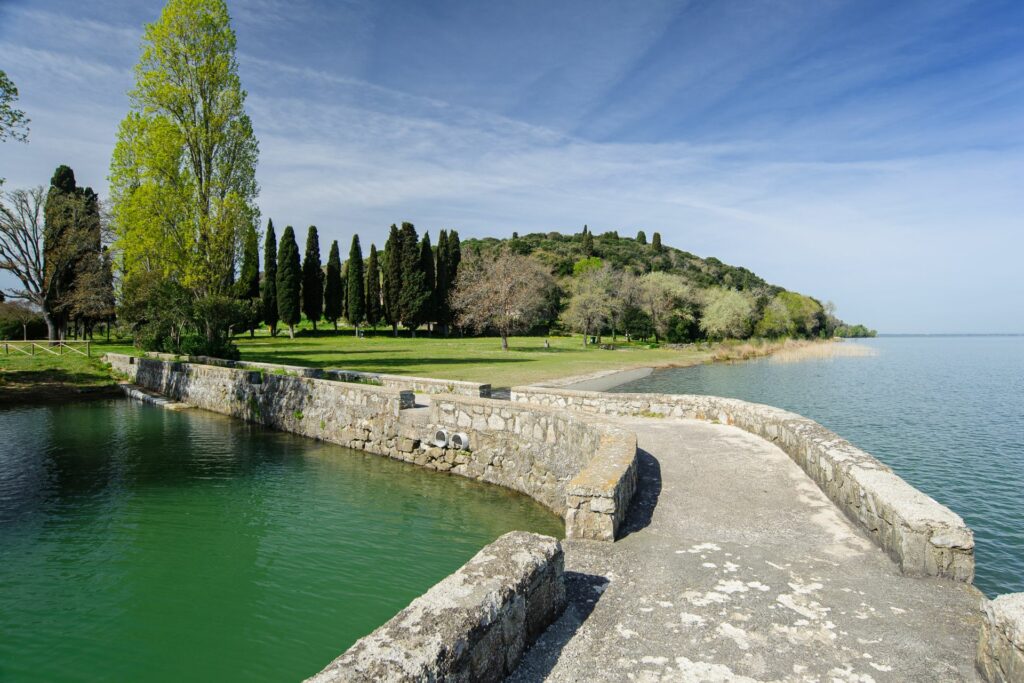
[946, 413]
[142, 544]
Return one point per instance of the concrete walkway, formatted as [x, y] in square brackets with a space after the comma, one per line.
[735, 567]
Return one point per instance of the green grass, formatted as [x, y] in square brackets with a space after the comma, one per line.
[478, 359]
[44, 376]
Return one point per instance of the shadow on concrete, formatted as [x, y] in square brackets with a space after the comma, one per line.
[582, 593]
[648, 490]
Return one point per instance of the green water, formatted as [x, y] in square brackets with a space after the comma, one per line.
[143, 544]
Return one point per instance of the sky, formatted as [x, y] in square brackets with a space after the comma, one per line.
[867, 153]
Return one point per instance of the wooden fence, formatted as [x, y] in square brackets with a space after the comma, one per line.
[43, 346]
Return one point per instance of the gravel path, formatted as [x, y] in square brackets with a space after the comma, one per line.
[735, 567]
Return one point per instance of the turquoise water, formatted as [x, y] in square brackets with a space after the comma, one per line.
[947, 413]
[143, 544]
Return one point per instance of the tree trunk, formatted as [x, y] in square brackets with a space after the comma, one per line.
[51, 327]
[335, 325]
[504, 341]
[314, 325]
[394, 329]
[291, 331]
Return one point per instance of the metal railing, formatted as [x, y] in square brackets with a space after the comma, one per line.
[56, 347]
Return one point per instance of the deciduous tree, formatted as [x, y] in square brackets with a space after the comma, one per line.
[13, 122]
[506, 294]
[727, 314]
[182, 176]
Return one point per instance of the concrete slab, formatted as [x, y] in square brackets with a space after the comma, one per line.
[736, 567]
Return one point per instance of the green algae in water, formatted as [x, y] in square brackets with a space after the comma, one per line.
[144, 544]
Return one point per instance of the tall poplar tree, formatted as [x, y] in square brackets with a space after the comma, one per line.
[268, 287]
[332, 286]
[429, 279]
[372, 288]
[289, 281]
[248, 285]
[183, 173]
[356, 285]
[392, 281]
[312, 279]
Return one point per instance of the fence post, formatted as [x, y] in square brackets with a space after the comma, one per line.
[33, 347]
[88, 351]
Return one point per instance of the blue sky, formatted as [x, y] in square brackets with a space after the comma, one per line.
[870, 153]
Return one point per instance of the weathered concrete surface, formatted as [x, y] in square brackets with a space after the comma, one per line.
[745, 571]
[472, 626]
[923, 536]
[1001, 646]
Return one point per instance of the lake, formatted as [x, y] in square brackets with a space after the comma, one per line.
[946, 413]
[138, 543]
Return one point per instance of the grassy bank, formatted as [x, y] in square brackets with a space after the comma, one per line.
[45, 377]
[482, 360]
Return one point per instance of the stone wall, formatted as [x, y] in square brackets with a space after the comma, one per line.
[1001, 646]
[472, 626]
[580, 468]
[583, 469]
[924, 537]
[419, 385]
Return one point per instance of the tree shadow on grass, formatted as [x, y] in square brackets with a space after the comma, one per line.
[394, 365]
[582, 593]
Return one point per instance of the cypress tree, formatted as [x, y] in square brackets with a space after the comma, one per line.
[392, 284]
[641, 237]
[429, 279]
[415, 293]
[454, 256]
[344, 290]
[248, 286]
[289, 281]
[372, 288]
[332, 286]
[268, 288]
[588, 243]
[356, 283]
[312, 279]
[656, 242]
[442, 309]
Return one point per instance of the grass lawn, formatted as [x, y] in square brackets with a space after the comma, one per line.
[48, 377]
[473, 358]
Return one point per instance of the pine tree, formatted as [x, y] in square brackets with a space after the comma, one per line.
[268, 288]
[372, 288]
[641, 237]
[333, 287]
[356, 284]
[289, 281]
[415, 293]
[442, 288]
[656, 242]
[429, 279]
[312, 279]
[248, 285]
[392, 280]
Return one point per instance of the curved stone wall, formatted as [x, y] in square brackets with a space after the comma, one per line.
[924, 537]
[472, 626]
[579, 467]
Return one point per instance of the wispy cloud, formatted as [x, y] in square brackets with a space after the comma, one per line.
[869, 154]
